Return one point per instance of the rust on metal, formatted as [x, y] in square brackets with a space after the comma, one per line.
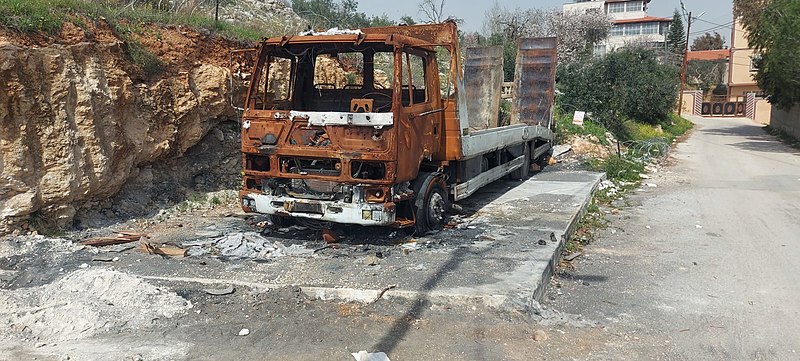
[534, 78]
[483, 80]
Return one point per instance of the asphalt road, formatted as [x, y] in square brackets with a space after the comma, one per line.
[704, 266]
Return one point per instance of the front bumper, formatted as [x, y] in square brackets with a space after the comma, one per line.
[365, 214]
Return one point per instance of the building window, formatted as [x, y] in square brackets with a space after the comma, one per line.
[755, 63]
[633, 29]
[634, 6]
[617, 30]
[616, 8]
[650, 28]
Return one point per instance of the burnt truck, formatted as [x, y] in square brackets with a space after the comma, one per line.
[386, 127]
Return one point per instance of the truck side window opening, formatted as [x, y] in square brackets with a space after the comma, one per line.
[414, 79]
[274, 84]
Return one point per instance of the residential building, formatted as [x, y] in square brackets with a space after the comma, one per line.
[742, 65]
[744, 97]
[631, 23]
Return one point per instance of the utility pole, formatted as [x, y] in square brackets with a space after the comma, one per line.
[685, 62]
[216, 13]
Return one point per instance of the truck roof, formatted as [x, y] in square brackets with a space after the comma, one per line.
[444, 34]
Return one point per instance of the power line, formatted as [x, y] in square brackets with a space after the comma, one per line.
[720, 25]
[711, 28]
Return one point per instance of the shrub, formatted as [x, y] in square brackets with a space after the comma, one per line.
[627, 84]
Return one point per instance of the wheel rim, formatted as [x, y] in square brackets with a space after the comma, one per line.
[436, 209]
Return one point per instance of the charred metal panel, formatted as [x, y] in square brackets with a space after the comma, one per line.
[534, 81]
[483, 79]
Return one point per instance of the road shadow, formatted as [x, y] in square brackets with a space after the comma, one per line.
[401, 326]
[757, 139]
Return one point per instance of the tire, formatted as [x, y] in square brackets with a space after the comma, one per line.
[281, 221]
[524, 172]
[431, 213]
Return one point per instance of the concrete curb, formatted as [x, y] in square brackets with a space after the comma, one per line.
[538, 293]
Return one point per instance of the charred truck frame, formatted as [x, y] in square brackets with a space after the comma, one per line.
[394, 130]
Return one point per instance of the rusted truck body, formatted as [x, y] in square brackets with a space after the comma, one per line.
[373, 127]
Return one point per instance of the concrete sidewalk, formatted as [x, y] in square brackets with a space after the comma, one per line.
[501, 254]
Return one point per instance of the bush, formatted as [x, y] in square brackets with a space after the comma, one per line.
[627, 84]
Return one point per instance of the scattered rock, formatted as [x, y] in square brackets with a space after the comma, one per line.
[244, 332]
[539, 336]
[372, 260]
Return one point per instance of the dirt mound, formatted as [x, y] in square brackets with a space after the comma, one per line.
[79, 118]
[84, 303]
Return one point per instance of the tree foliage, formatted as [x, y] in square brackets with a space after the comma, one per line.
[773, 27]
[326, 14]
[676, 39]
[577, 33]
[629, 83]
[708, 41]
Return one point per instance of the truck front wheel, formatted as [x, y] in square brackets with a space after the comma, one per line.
[431, 207]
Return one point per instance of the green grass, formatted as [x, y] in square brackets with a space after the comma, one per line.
[564, 128]
[677, 126]
[618, 168]
[30, 16]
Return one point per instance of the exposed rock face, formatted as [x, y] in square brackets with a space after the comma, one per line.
[75, 124]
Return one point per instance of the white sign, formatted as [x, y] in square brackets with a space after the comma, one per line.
[577, 119]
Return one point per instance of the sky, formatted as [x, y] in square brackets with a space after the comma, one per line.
[473, 11]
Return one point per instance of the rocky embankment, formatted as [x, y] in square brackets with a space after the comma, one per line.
[79, 117]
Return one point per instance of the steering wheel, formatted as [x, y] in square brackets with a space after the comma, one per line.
[383, 107]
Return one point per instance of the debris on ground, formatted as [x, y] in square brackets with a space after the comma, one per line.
[164, 250]
[383, 291]
[244, 332]
[539, 336]
[329, 236]
[372, 260]
[120, 238]
[370, 356]
[220, 291]
[572, 256]
[84, 303]
[561, 149]
[245, 245]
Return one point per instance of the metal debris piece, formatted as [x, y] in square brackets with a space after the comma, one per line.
[120, 238]
[220, 291]
[329, 236]
[164, 250]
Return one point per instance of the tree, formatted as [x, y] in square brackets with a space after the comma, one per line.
[773, 33]
[326, 14]
[676, 39]
[405, 19]
[706, 74]
[576, 33]
[432, 10]
[708, 42]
